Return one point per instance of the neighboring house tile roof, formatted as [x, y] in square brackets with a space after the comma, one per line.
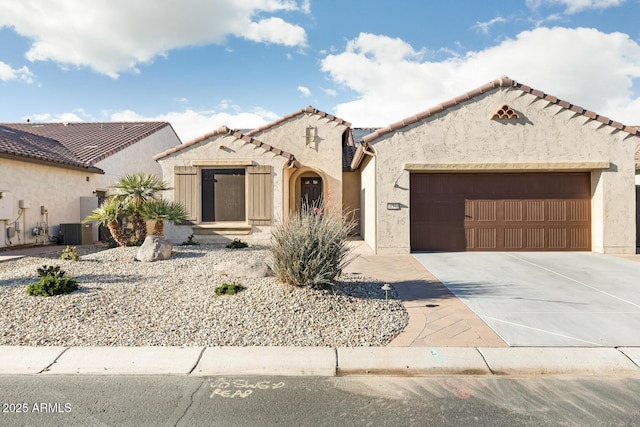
[359, 133]
[223, 130]
[307, 110]
[92, 142]
[20, 145]
[498, 83]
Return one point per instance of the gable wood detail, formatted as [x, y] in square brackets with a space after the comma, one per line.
[259, 193]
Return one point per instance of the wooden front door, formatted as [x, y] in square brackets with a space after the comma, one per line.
[311, 191]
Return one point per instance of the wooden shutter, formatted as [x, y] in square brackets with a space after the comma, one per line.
[260, 195]
[185, 189]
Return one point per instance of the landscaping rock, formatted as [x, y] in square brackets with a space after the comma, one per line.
[256, 268]
[154, 248]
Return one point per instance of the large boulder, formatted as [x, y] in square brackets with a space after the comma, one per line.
[154, 248]
[249, 268]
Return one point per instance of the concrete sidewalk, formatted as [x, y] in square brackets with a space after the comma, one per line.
[319, 361]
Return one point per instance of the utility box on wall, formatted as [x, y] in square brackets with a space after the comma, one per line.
[6, 205]
[76, 234]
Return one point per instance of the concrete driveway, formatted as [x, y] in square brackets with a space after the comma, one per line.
[546, 298]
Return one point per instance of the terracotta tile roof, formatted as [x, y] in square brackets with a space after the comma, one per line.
[498, 83]
[92, 142]
[307, 110]
[17, 144]
[223, 130]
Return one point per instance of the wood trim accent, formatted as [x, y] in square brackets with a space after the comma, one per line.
[503, 167]
[225, 163]
[260, 195]
[186, 190]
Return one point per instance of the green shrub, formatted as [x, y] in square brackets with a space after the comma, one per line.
[69, 254]
[310, 248]
[189, 241]
[53, 281]
[237, 244]
[229, 289]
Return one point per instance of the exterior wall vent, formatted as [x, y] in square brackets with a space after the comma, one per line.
[505, 112]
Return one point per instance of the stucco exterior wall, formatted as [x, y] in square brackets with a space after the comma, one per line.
[234, 152]
[544, 133]
[323, 153]
[56, 188]
[368, 203]
[137, 158]
[351, 197]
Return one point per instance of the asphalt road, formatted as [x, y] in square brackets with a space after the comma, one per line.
[314, 401]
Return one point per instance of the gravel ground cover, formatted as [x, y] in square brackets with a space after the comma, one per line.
[124, 302]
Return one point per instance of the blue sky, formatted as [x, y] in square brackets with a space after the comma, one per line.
[202, 63]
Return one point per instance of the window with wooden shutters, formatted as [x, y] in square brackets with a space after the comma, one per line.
[185, 189]
[260, 195]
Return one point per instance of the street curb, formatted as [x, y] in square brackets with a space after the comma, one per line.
[319, 361]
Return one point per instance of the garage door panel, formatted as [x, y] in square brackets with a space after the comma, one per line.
[501, 211]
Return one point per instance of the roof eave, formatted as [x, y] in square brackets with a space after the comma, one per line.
[52, 163]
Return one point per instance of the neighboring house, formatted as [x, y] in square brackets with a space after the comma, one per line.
[235, 183]
[55, 173]
[504, 167]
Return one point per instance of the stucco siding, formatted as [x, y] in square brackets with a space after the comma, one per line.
[225, 151]
[351, 197]
[58, 189]
[322, 153]
[368, 201]
[544, 133]
[137, 158]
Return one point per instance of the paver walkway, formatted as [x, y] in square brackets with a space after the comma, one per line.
[436, 317]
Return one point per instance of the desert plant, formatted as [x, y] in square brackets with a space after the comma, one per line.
[189, 241]
[310, 247]
[229, 289]
[109, 213]
[160, 210]
[133, 191]
[53, 281]
[237, 244]
[69, 253]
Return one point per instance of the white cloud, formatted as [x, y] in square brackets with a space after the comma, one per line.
[190, 124]
[329, 92]
[112, 36]
[484, 27]
[598, 74]
[575, 6]
[304, 91]
[57, 118]
[8, 73]
[275, 30]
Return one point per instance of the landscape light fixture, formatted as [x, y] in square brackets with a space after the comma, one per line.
[386, 288]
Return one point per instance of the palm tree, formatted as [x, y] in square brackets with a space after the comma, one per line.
[160, 210]
[133, 191]
[109, 213]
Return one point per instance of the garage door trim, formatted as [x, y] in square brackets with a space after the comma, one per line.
[506, 167]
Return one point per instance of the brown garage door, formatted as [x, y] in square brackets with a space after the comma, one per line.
[501, 212]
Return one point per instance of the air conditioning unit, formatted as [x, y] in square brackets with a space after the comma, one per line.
[76, 234]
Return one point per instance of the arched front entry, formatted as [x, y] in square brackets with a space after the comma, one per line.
[307, 185]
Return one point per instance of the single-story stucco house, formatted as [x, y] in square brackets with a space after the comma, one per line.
[504, 167]
[55, 173]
